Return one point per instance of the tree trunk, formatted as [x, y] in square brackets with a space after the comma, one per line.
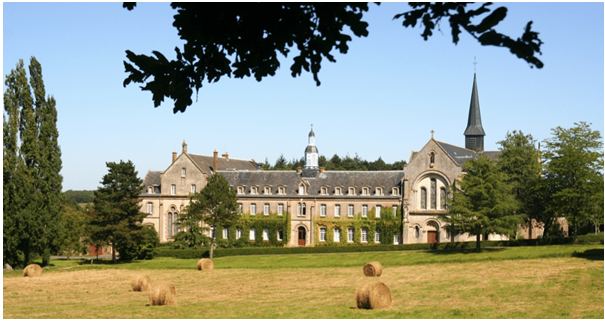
[212, 246]
[530, 228]
[27, 253]
[46, 257]
[113, 253]
[478, 247]
[575, 234]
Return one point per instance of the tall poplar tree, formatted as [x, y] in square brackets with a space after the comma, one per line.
[31, 166]
[483, 204]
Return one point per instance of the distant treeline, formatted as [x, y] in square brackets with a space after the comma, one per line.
[335, 163]
[80, 196]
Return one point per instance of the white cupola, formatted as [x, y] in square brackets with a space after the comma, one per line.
[311, 153]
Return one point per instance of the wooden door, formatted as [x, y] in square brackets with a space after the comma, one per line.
[432, 236]
[302, 235]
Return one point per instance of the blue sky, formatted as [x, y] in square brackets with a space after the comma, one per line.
[381, 99]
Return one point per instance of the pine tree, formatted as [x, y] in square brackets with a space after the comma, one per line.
[215, 204]
[574, 171]
[117, 219]
[483, 203]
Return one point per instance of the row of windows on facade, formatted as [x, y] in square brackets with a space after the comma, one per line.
[433, 198]
[173, 189]
[351, 235]
[323, 191]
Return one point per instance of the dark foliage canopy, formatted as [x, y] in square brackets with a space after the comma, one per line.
[244, 40]
[336, 163]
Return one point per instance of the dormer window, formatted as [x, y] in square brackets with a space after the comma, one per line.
[183, 171]
[351, 191]
[324, 191]
[395, 191]
[301, 190]
[240, 190]
[364, 191]
[378, 191]
[281, 190]
[267, 190]
[253, 190]
[150, 190]
[338, 191]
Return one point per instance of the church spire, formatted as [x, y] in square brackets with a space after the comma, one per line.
[474, 130]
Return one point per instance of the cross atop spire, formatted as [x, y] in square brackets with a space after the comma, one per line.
[475, 64]
[432, 132]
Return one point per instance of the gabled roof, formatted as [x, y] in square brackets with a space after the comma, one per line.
[206, 163]
[474, 126]
[461, 155]
[152, 179]
[331, 179]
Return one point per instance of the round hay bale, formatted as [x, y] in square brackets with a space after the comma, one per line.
[372, 269]
[141, 283]
[205, 265]
[32, 270]
[373, 295]
[162, 294]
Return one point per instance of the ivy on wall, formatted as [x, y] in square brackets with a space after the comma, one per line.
[388, 223]
[259, 222]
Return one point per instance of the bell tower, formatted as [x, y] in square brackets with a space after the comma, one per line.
[311, 153]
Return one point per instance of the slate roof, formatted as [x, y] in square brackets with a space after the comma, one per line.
[290, 179]
[152, 178]
[207, 162]
[474, 126]
[461, 155]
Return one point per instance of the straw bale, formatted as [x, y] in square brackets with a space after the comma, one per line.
[32, 270]
[141, 283]
[205, 265]
[373, 295]
[372, 269]
[162, 294]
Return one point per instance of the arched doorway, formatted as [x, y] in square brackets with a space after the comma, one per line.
[302, 236]
[432, 232]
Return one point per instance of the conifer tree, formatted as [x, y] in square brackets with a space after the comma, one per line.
[117, 217]
[215, 204]
[483, 203]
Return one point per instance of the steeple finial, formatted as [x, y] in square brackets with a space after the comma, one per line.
[432, 132]
[475, 64]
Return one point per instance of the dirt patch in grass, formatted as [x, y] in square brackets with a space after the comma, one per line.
[543, 288]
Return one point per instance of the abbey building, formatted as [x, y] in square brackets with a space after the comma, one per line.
[312, 206]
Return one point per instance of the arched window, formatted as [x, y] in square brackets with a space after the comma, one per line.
[169, 223]
[433, 193]
[423, 198]
[432, 157]
[443, 196]
[417, 232]
[176, 224]
[301, 190]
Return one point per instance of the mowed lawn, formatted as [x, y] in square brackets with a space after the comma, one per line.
[524, 282]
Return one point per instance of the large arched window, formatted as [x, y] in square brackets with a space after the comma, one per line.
[176, 224]
[443, 196]
[423, 198]
[169, 223]
[433, 193]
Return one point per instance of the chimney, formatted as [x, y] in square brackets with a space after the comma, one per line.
[299, 169]
[215, 163]
[322, 169]
[184, 147]
[173, 157]
[225, 155]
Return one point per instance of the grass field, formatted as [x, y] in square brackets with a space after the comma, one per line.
[532, 282]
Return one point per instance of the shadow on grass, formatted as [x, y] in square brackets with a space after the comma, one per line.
[465, 251]
[592, 254]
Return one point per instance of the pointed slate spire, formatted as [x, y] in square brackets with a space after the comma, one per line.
[474, 130]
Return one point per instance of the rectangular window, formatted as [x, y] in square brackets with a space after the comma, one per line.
[172, 189]
[336, 210]
[280, 209]
[225, 233]
[395, 210]
[337, 235]
[265, 234]
[396, 239]
[299, 211]
[252, 209]
[337, 191]
[364, 211]
[350, 235]
[364, 234]
[252, 234]
[323, 210]
[193, 189]
[395, 191]
[239, 208]
[322, 234]
[301, 190]
[280, 234]
[238, 233]
[351, 210]
[377, 236]
[266, 209]
[378, 209]
[351, 191]
[240, 190]
[183, 171]
[149, 207]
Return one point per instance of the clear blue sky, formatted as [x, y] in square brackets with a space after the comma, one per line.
[381, 99]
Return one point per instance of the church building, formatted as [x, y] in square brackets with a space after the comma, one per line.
[319, 207]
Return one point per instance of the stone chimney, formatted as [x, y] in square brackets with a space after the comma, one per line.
[225, 155]
[299, 169]
[322, 169]
[215, 162]
[173, 157]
